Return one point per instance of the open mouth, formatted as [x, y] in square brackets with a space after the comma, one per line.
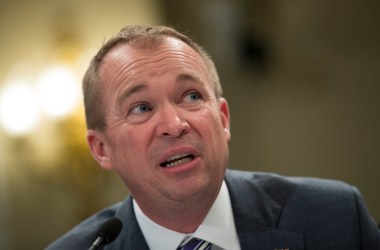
[177, 160]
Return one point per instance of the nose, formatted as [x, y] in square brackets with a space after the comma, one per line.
[171, 122]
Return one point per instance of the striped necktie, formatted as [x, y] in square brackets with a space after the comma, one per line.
[195, 244]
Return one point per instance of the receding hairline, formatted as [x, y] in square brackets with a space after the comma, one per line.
[149, 38]
[145, 43]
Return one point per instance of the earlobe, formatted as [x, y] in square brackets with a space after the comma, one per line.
[99, 150]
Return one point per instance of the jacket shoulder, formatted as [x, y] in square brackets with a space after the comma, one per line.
[82, 235]
[320, 209]
[290, 189]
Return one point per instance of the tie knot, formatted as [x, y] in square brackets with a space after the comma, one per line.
[195, 244]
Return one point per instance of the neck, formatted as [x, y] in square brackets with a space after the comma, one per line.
[180, 216]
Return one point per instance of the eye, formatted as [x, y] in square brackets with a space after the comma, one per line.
[193, 96]
[140, 108]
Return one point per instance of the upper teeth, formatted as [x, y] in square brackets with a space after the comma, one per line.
[175, 157]
[177, 160]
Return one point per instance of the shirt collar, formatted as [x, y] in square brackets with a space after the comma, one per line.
[157, 237]
[218, 227]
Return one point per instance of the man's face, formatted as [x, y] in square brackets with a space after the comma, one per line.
[167, 134]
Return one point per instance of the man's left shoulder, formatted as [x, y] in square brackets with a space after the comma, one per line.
[300, 186]
[319, 209]
[312, 197]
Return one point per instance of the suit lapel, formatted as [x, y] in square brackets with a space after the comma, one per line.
[257, 214]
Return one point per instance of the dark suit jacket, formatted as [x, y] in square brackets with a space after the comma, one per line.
[270, 211]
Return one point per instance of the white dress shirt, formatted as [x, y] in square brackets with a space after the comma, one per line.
[218, 227]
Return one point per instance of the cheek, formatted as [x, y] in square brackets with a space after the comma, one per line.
[215, 121]
[135, 144]
[128, 157]
[210, 125]
[121, 143]
[130, 143]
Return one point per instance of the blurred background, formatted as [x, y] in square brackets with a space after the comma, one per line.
[302, 79]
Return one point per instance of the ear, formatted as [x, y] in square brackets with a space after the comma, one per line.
[99, 149]
[225, 117]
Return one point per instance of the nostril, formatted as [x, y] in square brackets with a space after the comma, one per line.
[171, 121]
[174, 128]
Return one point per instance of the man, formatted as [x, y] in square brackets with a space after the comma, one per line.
[156, 115]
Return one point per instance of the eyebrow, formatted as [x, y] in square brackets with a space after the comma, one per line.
[188, 77]
[127, 93]
[143, 86]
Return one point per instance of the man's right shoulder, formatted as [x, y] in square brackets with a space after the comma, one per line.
[82, 235]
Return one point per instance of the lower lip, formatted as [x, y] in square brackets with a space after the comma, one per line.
[182, 168]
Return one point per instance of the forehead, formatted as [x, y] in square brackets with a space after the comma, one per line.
[134, 59]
